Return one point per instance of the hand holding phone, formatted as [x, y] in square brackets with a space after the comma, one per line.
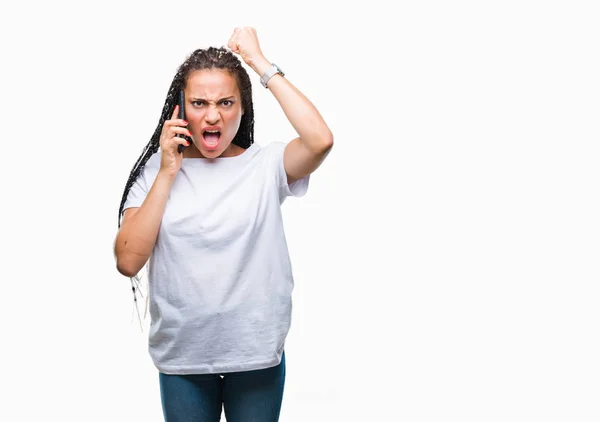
[174, 136]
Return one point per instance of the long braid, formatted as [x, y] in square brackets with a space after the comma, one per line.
[154, 143]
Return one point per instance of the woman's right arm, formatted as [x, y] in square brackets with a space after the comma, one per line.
[139, 229]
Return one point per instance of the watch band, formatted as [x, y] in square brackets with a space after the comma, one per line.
[273, 70]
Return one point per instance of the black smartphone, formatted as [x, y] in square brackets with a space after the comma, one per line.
[181, 115]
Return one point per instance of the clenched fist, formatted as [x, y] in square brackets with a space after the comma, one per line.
[244, 42]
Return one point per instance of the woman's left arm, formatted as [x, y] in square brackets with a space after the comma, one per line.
[304, 154]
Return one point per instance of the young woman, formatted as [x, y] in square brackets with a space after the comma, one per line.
[209, 221]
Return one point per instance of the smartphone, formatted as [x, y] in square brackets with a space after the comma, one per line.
[181, 115]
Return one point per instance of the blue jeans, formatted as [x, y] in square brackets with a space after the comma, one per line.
[249, 396]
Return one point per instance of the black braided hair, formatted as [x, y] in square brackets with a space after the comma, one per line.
[210, 58]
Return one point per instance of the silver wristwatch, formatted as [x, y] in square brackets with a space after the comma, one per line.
[269, 73]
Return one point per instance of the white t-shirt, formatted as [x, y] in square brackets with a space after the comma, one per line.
[220, 276]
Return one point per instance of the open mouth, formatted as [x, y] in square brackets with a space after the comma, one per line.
[211, 138]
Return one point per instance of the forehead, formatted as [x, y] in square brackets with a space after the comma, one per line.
[211, 84]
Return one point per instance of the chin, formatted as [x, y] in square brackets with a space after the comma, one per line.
[211, 154]
[220, 149]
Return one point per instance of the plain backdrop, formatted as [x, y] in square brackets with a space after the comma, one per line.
[446, 253]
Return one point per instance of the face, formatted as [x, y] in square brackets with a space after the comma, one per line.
[213, 109]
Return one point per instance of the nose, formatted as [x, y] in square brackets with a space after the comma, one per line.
[212, 115]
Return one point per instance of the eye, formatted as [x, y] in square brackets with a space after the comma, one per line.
[197, 103]
[227, 103]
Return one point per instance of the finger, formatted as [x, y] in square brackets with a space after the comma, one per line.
[176, 130]
[180, 141]
[176, 122]
[175, 111]
[231, 42]
[176, 142]
[234, 38]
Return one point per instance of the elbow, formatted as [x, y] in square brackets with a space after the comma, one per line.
[125, 271]
[126, 267]
[325, 143]
[126, 262]
[328, 141]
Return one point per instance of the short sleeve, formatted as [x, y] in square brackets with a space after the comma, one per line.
[297, 188]
[139, 190]
[137, 193]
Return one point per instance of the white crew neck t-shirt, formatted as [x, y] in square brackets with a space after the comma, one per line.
[220, 276]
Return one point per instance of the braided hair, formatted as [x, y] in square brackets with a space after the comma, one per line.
[210, 58]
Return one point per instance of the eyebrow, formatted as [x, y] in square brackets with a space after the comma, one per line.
[232, 97]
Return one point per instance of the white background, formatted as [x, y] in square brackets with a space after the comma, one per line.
[445, 256]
